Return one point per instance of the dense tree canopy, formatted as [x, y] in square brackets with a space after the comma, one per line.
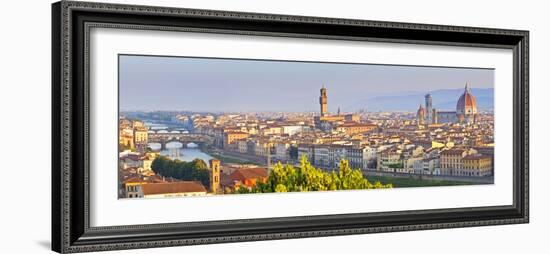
[287, 178]
[196, 170]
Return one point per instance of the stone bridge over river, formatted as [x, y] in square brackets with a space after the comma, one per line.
[183, 138]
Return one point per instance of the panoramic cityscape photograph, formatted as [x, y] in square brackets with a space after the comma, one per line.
[195, 126]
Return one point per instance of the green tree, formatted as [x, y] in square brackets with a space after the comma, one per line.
[287, 178]
[196, 170]
[280, 188]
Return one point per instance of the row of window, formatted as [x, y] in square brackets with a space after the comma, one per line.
[450, 160]
[467, 173]
[483, 167]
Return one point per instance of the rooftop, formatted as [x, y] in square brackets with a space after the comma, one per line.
[453, 152]
[248, 173]
[172, 187]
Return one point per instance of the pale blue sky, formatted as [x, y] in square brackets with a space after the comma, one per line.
[206, 84]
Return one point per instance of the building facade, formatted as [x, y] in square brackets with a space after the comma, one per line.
[476, 165]
[466, 110]
[231, 137]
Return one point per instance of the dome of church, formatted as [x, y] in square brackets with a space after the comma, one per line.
[467, 103]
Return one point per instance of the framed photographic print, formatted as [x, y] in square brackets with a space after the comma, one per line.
[181, 126]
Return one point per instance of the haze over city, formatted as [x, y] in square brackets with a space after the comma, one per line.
[206, 84]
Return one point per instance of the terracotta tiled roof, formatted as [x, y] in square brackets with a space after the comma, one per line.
[467, 100]
[354, 124]
[135, 179]
[171, 187]
[156, 179]
[134, 157]
[248, 173]
[453, 152]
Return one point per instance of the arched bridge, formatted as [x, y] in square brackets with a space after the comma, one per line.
[184, 138]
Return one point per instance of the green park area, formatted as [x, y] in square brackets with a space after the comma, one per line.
[402, 182]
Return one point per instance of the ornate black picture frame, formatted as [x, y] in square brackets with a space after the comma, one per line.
[71, 231]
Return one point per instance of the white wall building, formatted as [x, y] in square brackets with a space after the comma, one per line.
[281, 151]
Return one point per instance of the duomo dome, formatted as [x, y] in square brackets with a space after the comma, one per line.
[466, 104]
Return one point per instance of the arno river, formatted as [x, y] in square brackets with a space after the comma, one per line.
[175, 150]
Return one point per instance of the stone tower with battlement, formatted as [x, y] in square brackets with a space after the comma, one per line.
[323, 100]
[429, 108]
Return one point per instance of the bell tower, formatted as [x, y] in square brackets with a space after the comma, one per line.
[323, 101]
[215, 175]
[429, 109]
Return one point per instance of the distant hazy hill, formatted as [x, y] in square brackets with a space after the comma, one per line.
[444, 99]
